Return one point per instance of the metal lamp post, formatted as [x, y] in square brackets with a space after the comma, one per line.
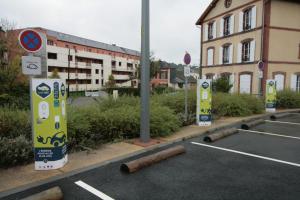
[145, 74]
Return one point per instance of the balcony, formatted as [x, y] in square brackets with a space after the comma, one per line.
[83, 65]
[121, 77]
[123, 69]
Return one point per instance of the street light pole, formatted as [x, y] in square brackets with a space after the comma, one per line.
[145, 74]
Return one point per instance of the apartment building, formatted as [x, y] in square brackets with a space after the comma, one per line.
[250, 41]
[86, 64]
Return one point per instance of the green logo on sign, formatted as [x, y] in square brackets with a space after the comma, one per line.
[43, 90]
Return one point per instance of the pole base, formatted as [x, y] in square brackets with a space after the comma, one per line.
[151, 142]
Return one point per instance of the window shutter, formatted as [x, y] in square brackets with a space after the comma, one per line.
[221, 56]
[294, 82]
[205, 32]
[210, 57]
[253, 17]
[215, 77]
[252, 51]
[232, 24]
[231, 54]
[222, 27]
[215, 30]
[231, 82]
[239, 53]
[241, 21]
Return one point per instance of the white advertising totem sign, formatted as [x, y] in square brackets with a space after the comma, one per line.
[204, 100]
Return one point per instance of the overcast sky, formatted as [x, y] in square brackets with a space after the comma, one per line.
[173, 29]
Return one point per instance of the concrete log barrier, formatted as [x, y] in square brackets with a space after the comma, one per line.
[50, 194]
[220, 134]
[278, 116]
[249, 125]
[146, 161]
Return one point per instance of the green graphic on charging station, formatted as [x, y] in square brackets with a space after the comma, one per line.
[49, 123]
[271, 96]
[204, 100]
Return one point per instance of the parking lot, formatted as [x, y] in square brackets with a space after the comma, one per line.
[260, 163]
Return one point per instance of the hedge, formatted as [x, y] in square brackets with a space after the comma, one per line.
[111, 120]
[288, 99]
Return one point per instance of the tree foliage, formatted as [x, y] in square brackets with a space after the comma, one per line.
[222, 84]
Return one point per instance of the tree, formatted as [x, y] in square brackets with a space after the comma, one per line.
[222, 84]
[55, 74]
[14, 88]
[111, 82]
[155, 66]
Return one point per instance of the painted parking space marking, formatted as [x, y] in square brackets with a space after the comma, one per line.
[281, 122]
[93, 190]
[248, 154]
[272, 134]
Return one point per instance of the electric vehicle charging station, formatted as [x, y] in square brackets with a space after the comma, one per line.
[48, 105]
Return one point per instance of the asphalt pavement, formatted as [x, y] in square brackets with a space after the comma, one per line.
[262, 163]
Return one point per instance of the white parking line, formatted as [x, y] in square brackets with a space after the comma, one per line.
[93, 190]
[281, 122]
[272, 134]
[248, 154]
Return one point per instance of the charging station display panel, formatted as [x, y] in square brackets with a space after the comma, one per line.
[204, 101]
[271, 96]
[49, 123]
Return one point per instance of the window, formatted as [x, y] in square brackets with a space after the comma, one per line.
[52, 56]
[246, 51]
[50, 42]
[247, 19]
[70, 58]
[96, 71]
[164, 75]
[227, 3]
[120, 64]
[298, 83]
[210, 56]
[101, 72]
[226, 26]
[226, 52]
[102, 82]
[211, 30]
[97, 81]
[113, 63]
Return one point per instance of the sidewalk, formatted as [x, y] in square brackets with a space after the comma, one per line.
[24, 175]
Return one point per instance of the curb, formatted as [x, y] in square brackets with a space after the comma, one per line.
[139, 152]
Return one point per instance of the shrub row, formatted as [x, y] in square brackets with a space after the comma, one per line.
[288, 99]
[236, 105]
[111, 120]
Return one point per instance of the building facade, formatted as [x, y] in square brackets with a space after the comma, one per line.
[238, 36]
[86, 64]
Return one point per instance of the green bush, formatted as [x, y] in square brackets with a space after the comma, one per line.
[234, 105]
[175, 102]
[14, 122]
[222, 84]
[288, 99]
[161, 89]
[15, 151]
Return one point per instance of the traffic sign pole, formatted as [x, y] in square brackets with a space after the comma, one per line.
[187, 61]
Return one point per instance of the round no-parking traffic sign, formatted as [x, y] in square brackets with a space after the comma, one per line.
[30, 40]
